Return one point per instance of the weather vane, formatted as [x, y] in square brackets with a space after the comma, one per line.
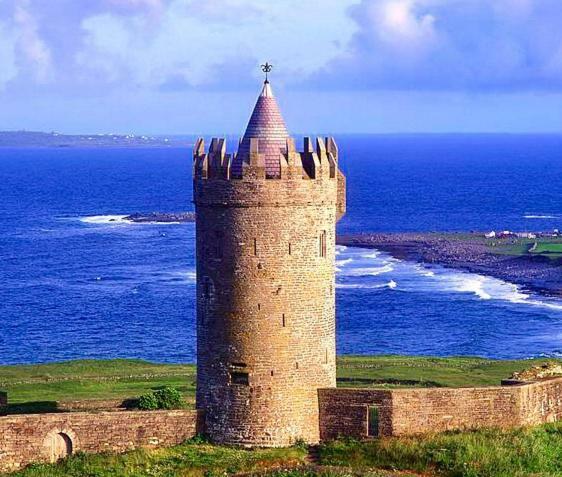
[266, 68]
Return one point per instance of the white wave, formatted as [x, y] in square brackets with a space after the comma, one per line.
[424, 271]
[531, 216]
[543, 303]
[474, 285]
[183, 277]
[367, 286]
[488, 288]
[369, 274]
[368, 271]
[485, 288]
[105, 219]
[374, 254]
[118, 220]
[341, 263]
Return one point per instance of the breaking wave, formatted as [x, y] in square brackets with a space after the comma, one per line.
[365, 286]
[182, 277]
[118, 220]
[362, 269]
[539, 216]
[105, 219]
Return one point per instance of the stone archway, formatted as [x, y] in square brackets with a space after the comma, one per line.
[59, 444]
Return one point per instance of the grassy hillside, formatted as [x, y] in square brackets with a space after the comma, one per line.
[38, 387]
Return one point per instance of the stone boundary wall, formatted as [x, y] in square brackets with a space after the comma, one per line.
[33, 438]
[92, 405]
[401, 412]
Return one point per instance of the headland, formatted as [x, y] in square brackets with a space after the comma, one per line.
[531, 260]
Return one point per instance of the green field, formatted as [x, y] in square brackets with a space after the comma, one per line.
[485, 453]
[549, 247]
[553, 249]
[37, 388]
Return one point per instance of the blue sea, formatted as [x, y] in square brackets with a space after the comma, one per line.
[76, 281]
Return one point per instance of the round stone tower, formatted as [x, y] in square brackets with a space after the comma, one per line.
[266, 219]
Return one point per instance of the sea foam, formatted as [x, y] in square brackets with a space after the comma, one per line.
[540, 216]
[361, 270]
[105, 219]
[118, 220]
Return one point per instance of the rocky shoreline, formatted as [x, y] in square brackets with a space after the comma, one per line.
[160, 217]
[466, 252]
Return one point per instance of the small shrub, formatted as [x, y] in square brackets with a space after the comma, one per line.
[147, 402]
[164, 398]
[169, 398]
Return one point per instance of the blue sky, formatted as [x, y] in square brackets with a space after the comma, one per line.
[367, 66]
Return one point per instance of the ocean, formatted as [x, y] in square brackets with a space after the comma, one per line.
[76, 281]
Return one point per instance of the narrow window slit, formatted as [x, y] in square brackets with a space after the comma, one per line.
[322, 244]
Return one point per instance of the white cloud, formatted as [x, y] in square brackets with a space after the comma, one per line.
[197, 40]
[30, 44]
[453, 45]
[397, 22]
[8, 69]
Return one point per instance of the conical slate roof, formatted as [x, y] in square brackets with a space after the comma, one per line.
[267, 125]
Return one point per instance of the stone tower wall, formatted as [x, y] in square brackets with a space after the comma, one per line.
[265, 296]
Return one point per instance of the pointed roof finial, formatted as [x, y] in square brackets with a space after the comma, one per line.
[266, 68]
[267, 126]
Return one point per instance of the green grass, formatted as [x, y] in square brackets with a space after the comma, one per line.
[42, 385]
[486, 453]
[418, 371]
[551, 249]
[38, 388]
[190, 459]
[330, 471]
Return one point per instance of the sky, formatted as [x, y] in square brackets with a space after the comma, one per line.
[340, 66]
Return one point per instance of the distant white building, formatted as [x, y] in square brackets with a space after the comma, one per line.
[491, 234]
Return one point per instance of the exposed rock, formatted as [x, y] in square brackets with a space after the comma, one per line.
[547, 370]
[162, 217]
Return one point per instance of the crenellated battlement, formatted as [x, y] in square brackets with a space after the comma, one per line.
[315, 161]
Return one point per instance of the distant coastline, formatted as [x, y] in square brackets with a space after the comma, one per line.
[30, 139]
[511, 260]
